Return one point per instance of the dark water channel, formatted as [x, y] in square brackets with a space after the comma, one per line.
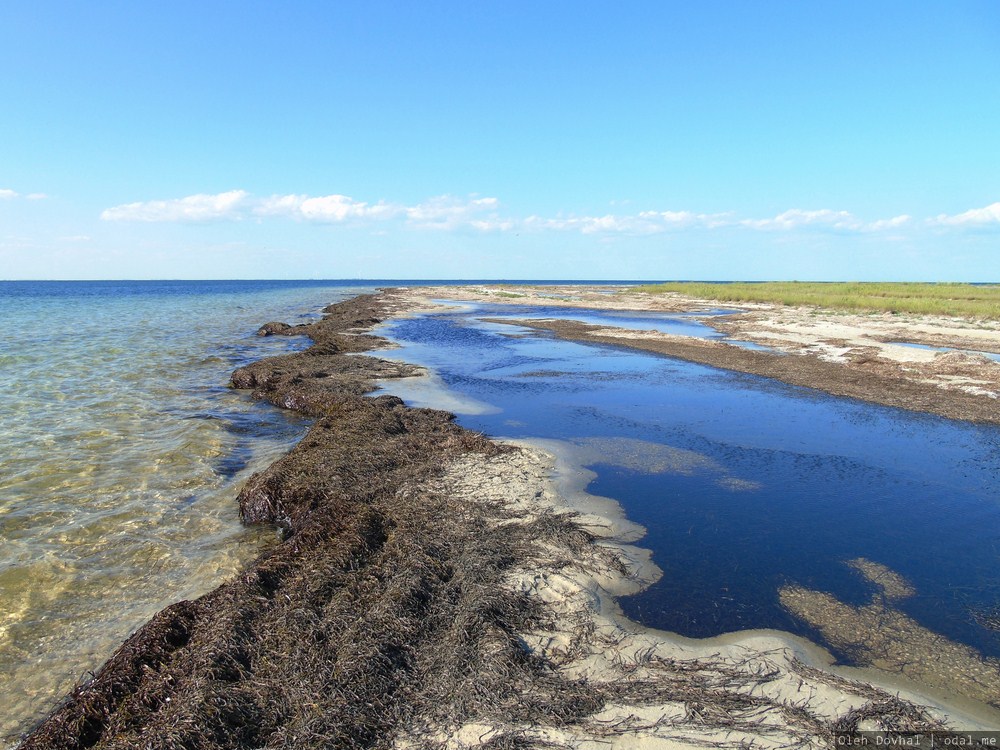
[744, 484]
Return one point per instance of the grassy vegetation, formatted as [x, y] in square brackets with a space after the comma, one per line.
[963, 300]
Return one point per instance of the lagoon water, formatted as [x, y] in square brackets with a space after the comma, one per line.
[121, 453]
[744, 484]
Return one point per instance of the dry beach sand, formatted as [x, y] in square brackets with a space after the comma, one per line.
[435, 589]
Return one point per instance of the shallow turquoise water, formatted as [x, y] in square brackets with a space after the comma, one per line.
[121, 453]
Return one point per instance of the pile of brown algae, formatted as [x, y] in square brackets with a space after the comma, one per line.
[384, 609]
[382, 601]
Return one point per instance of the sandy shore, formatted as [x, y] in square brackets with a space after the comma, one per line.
[862, 356]
[759, 688]
[826, 346]
[910, 661]
[435, 589]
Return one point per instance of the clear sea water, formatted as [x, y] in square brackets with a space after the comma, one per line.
[122, 450]
[744, 484]
[121, 453]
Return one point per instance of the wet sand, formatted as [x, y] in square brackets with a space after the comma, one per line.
[437, 589]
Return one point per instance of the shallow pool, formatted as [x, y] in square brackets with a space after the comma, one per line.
[745, 484]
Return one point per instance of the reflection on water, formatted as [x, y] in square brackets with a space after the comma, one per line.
[121, 452]
[747, 486]
[676, 324]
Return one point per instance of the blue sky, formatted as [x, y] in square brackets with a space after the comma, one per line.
[646, 140]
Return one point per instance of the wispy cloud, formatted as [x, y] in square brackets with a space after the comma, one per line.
[656, 222]
[686, 219]
[608, 223]
[324, 208]
[449, 212]
[975, 217]
[825, 218]
[894, 223]
[193, 208]
[8, 194]
[441, 212]
[483, 214]
[644, 222]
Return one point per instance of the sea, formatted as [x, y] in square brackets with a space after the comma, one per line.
[122, 451]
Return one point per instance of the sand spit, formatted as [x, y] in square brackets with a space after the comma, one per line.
[859, 356]
[434, 589]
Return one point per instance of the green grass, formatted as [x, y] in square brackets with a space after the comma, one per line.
[964, 300]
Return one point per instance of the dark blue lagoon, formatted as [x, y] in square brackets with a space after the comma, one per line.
[746, 486]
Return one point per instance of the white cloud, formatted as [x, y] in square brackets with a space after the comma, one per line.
[585, 224]
[974, 217]
[8, 194]
[482, 214]
[451, 212]
[824, 218]
[607, 223]
[796, 218]
[341, 207]
[686, 219]
[493, 225]
[441, 212]
[201, 207]
[655, 222]
[671, 218]
[894, 223]
[280, 205]
[324, 208]
[644, 222]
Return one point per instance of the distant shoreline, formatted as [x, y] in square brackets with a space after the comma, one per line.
[853, 355]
